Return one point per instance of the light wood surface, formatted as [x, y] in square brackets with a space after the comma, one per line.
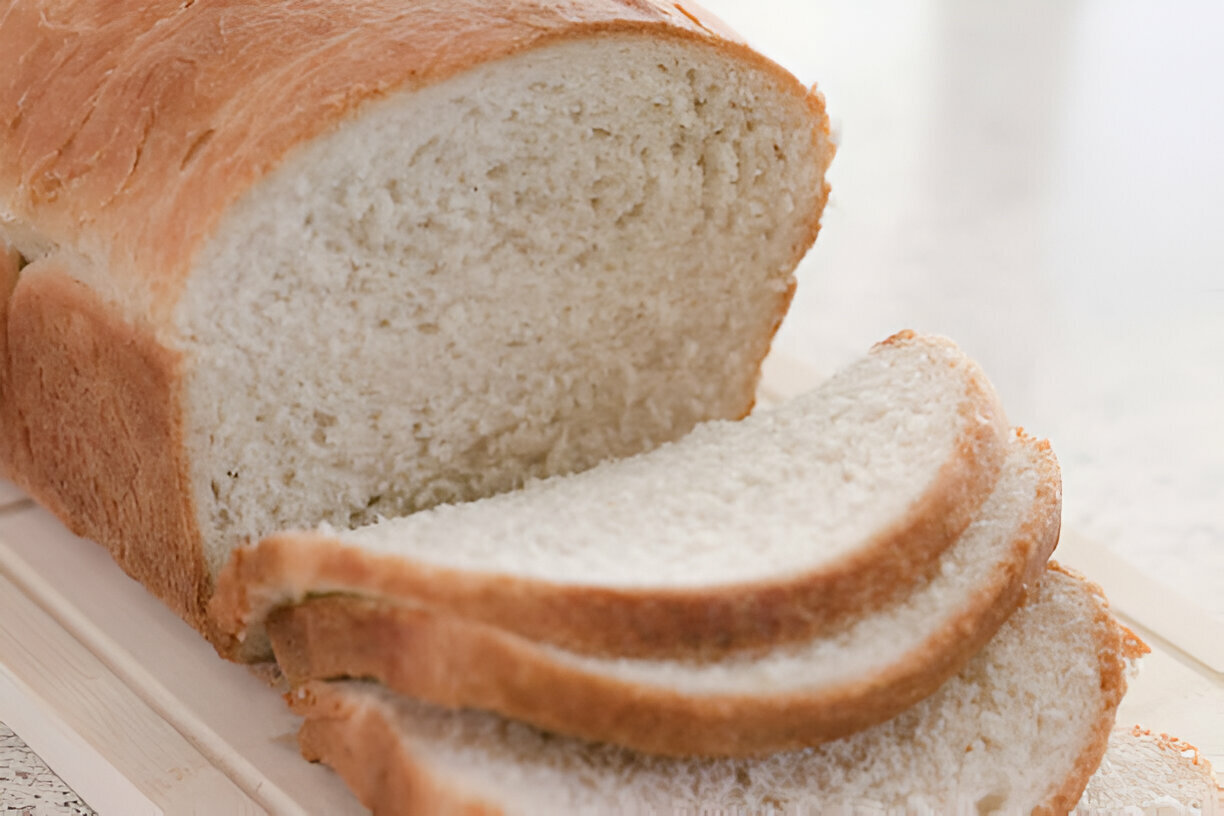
[233, 720]
[1160, 609]
[94, 730]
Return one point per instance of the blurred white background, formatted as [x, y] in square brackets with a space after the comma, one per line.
[1043, 182]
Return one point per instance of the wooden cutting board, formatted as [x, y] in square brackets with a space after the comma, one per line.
[129, 705]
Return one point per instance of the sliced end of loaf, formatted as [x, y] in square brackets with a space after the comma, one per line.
[573, 253]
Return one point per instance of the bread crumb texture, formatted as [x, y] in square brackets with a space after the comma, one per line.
[574, 253]
[801, 486]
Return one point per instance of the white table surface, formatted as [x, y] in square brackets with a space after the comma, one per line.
[1041, 181]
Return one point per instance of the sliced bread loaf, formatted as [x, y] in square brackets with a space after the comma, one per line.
[855, 675]
[740, 534]
[286, 263]
[1019, 730]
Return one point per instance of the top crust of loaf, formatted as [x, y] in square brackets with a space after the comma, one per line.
[127, 128]
[664, 620]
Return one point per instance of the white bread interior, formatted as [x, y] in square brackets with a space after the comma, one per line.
[793, 489]
[565, 255]
[1011, 539]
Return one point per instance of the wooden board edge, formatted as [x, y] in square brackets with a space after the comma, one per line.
[11, 496]
[95, 732]
[102, 786]
[153, 694]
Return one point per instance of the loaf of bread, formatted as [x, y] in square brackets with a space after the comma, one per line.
[270, 265]
[1019, 730]
[859, 673]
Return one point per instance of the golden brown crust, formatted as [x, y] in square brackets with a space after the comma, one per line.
[288, 567]
[93, 431]
[10, 267]
[362, 745]
[1115, 646]
[128, 128]
[458, 663]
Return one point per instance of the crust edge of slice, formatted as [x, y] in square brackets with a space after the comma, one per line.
[360, 741]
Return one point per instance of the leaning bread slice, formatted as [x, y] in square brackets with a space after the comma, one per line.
[856, 675]
[1018, 730]
[740, 534]
[1145, 773]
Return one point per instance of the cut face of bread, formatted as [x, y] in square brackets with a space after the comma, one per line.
[740, 534]
[560, 257]
[319, 263]
[860, 673]
[1018, 730]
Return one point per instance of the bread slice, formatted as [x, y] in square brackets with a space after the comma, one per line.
[858, 674]
[289, 263]
[1146, 774]
[740, 534]
[1020, 729]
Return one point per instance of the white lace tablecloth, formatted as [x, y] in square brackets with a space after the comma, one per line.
[28, 787]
